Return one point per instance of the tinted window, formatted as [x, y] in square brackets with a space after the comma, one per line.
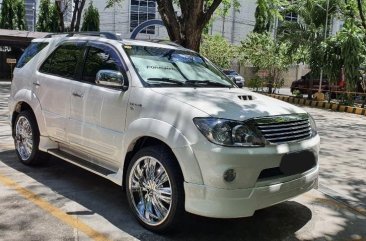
[100, 57]
[63, 60]
[32, 50]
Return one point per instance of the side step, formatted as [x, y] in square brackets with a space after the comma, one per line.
[101, 171]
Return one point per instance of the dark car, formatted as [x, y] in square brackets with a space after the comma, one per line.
[302, 85]
[232, 74]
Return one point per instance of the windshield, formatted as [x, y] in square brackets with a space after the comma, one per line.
[163, 67]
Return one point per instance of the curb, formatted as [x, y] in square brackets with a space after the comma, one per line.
[320, 104]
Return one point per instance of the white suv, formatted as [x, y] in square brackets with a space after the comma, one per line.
[164, 123]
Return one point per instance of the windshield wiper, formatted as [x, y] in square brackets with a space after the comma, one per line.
[167, 80]
[206, 83]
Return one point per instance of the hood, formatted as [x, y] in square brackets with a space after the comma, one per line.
[234, 104]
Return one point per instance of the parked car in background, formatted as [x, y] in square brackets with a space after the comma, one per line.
[232, 74]
[302, 85]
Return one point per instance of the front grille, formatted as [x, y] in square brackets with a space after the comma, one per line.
[285, 129]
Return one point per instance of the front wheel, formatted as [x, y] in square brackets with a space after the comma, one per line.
[155, 188]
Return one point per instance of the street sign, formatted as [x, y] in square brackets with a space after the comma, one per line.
[11, 61]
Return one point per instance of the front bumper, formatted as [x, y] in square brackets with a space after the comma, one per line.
[234, 203]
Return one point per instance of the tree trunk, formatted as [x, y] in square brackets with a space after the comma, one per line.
[187, 29]
[60, 17]
[362, 16]
[79, 15]
[72, 25]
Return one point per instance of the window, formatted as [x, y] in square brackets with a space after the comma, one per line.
[100, 57]
[64, 60]
[141, 11]
[291, 16]
[32, 50]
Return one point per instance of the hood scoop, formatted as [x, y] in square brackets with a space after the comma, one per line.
[245, 97]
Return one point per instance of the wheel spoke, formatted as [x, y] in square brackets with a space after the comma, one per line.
[150, 190]
[164, 194]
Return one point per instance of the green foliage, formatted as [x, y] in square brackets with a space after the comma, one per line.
[21, 22]
[91, 19]
[218, 50]
[54, 19]
[266, 12]
[13, 15]
[255, 83]
[266, 54]
[8, 15]
[44, 16]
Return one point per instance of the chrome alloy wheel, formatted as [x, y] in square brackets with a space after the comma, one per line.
[23, 138]
[150, 190]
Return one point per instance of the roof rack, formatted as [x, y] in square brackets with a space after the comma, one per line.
[162, 41]
[107, 35]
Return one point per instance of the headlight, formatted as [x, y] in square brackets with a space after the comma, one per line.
[228, 133]
[314, 129]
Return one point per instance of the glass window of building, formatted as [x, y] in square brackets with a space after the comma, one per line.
[140, 11]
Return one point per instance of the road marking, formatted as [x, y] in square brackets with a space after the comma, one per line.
[56, 212]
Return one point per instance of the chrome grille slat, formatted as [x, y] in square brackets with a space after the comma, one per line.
[288, 137]
[286, 129]
[288, 133]
[283, 130]
[273, 125]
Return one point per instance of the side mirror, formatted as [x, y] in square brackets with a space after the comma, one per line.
[111, 78]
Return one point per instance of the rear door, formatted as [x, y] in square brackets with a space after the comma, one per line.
[53, 87]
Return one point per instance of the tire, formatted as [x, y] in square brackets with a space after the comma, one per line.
[26, 138]
[153, 209]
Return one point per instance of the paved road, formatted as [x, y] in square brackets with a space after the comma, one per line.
[58, 201]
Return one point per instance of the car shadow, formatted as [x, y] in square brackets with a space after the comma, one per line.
[102, 197]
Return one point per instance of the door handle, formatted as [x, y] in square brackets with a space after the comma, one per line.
[36, 84]
[77, 95]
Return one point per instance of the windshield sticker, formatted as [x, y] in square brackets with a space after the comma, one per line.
[160, 67]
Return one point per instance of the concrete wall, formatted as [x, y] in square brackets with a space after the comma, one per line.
[293, 73]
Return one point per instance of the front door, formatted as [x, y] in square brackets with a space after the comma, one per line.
[98, 113]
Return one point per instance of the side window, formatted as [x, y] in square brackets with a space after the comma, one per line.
[32, 50]
[100, 57]
[63, 61]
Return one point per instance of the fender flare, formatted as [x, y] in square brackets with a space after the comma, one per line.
[172, 137]
[31, 99]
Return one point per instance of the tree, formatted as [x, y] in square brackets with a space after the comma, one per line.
[187, 27]
[44, 16]
[218, 50]
[21, 22]
[265, 14]
[91, 19]
[266, 54]
[76, 15]
[54, 19]
[8, 15]
[13, 15]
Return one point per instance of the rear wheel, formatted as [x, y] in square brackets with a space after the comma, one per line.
[155, 188]
[26, 138]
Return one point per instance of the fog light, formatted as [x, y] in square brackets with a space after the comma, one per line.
[229, 175]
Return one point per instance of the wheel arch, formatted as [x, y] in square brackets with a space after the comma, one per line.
[146, 132]
[27, 100]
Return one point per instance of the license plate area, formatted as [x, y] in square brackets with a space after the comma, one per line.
[297, 162]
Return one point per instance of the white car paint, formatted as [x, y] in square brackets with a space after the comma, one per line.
[104, 125]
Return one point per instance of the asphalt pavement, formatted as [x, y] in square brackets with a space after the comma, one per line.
[59, 201]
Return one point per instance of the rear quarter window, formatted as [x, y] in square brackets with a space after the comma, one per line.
[32, 50]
